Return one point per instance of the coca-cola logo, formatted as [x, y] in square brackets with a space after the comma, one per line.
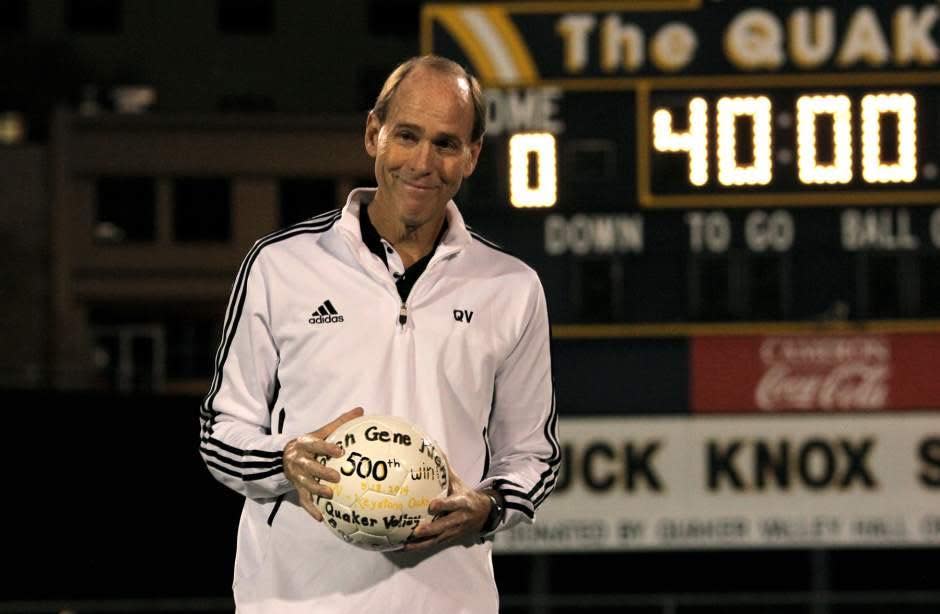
[824, 350]
[837, 373]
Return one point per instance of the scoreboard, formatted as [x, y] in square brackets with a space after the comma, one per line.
[685, 161]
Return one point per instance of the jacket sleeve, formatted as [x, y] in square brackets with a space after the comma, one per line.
[236, 441]
[523, 426]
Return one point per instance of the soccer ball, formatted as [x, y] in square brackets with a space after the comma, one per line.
[389, 472]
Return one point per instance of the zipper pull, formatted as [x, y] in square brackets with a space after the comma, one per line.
[403, 314]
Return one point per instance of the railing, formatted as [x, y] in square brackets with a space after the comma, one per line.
[756, 603]
[202, 605]
[666, 603]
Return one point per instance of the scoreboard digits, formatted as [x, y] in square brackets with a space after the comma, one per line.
[738, 133]
[533, 170]
[809, 110]
[874, 108]
[877, 163]
[693, 141]
[657, 160]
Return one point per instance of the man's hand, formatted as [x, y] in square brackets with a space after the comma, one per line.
[461, 513]
[304, 470]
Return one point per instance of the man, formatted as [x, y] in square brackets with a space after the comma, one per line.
[392, 268]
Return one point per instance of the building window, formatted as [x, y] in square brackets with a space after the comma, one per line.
[202, 209]
[94, 16]
[155, 346]
[130, 358]
[303, 197]
[13, 16]
[253, 17]
[398, 18]
[191, 345]
[125, 208]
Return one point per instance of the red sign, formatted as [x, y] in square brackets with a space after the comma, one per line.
[846, 372]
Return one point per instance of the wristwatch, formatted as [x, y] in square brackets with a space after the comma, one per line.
[495, 515]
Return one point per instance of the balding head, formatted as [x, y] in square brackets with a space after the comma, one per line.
[440, 65]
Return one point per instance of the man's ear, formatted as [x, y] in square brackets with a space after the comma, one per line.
[373, 127]
[474, 156]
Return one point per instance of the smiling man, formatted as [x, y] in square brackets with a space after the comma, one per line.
[388, 306]
[425, 134]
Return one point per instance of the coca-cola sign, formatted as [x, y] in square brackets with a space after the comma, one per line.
[861, 372]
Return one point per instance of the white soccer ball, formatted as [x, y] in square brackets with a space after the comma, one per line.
[389, 472]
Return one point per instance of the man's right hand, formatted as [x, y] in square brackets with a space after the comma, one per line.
[306, 472]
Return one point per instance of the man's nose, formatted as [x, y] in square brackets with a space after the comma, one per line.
[422, 156]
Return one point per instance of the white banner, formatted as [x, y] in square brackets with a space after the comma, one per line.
[725, 482]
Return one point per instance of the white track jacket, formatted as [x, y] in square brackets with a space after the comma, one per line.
[470, 365]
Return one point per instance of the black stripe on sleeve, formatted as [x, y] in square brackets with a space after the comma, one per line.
[233, 450]
[547, 479]
[525, 510]
[546, 482]
[241, 463]
[280, 498]
[486, 454]
[209, 414]
[236, 303]
[550, 475]
[315, 225]
[249, 477]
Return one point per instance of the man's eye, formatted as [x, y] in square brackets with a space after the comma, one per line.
[407, 136]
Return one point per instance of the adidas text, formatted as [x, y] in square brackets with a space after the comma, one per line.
[321, 319]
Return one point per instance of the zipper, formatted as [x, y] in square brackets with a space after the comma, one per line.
[403, 309]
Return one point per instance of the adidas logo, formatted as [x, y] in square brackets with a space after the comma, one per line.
[325, 314]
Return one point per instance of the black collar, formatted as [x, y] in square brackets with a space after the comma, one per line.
[370, 236]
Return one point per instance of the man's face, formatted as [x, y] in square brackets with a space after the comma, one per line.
[423, 151]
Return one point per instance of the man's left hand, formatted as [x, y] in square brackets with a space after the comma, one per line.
[460, 514]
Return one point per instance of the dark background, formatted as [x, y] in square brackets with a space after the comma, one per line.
[106, 497]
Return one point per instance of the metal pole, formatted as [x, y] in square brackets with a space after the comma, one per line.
[539, 581]
[819, 581]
